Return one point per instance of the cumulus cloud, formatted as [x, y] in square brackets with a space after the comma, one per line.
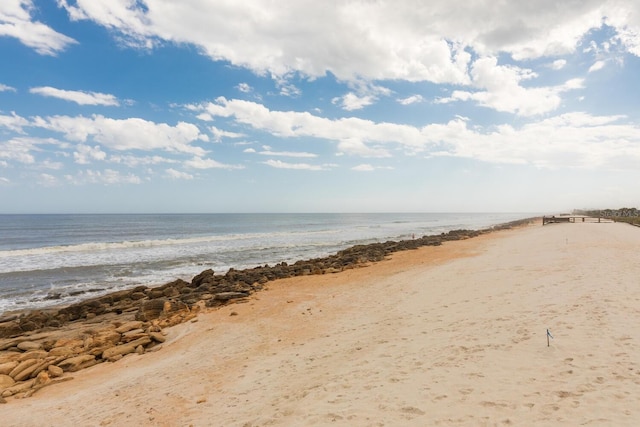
[13, 122]
[598, 65]
[244, 88]
[126, 134]
[18, 150]
[571, 140]
[363, 168]
[558, 64]
[84, 154]
[5, 88]
[278, 164]
[353, 135]
[106, 177]
[413, 99]
[218, 134]
[77, 96]
[175, 174]
[503, 90]
[16, 21]
[363, 40]
[200, 163]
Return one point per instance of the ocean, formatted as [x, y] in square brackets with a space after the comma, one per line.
[49, 260]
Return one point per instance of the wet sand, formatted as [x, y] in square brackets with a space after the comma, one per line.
[447, 335]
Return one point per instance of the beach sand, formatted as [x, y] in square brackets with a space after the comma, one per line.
[448, 335]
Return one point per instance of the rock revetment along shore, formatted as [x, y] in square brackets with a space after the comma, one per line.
[41, 347]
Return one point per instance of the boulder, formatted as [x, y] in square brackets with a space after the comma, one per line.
[17, 388]
[22, 366]
[226, 296]
[6, 381]
[33, 354]
[7, 367]
[29, 345]
[55, 371]
[129, 326]
[157, 337]
[10, 329]
[62, 351]
[125, 348]
[76, 363]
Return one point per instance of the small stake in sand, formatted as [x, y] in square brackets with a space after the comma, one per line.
[548, 336]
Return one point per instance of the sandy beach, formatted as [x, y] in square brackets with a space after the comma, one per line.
[447, 335]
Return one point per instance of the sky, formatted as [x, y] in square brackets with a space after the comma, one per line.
[127, 106]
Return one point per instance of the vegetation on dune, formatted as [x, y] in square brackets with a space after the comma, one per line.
[628, 215]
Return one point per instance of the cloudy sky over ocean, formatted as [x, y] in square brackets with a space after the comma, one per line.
[321, 106]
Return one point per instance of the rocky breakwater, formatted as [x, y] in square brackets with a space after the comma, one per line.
[39, 348]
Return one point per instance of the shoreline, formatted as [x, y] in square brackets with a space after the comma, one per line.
[82, 335]
[373, 252]
[443, 335]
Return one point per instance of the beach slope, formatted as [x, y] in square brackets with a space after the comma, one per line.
[447, 335]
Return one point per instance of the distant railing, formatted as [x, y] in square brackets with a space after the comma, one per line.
[563, 218]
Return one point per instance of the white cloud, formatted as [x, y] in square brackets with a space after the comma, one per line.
[354, 135]
[278, 164]
[364, 40]
[504, 92]
[126, 134]
[572, 140]
[77, 96]
[363, 168]
[598, 65]
[84, 154]
[200, 163]
[413, 99]
[4, 181]
[5, 88]
[244, 88]
[558, 64]
[19, 150]
[268, 152]
[16, 21]
[137, 161]
[47, 180]
[106, 177]
[218, 134]
[174, 174]
[351, 101]
[13, 122]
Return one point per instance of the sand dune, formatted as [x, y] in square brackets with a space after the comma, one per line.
[449, 335]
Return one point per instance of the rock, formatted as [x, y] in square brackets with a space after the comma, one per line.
[157, 337]
[106, 338]
[26, 373]
[133, 335]
[150, 310]
[29, 345]
[10, 329]
[41, 379]
[129, 326]
[205, 276]
[22, 366]
[6, 381]
[7, 367]
[125, 348]
[24, 386]
[76, 363]
[62, 351]
[33, 354]
[226, 296]
[55, 371]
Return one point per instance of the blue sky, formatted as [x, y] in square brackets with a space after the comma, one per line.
[307, 106]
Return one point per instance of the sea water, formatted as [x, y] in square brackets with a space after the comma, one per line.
[47, 260]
